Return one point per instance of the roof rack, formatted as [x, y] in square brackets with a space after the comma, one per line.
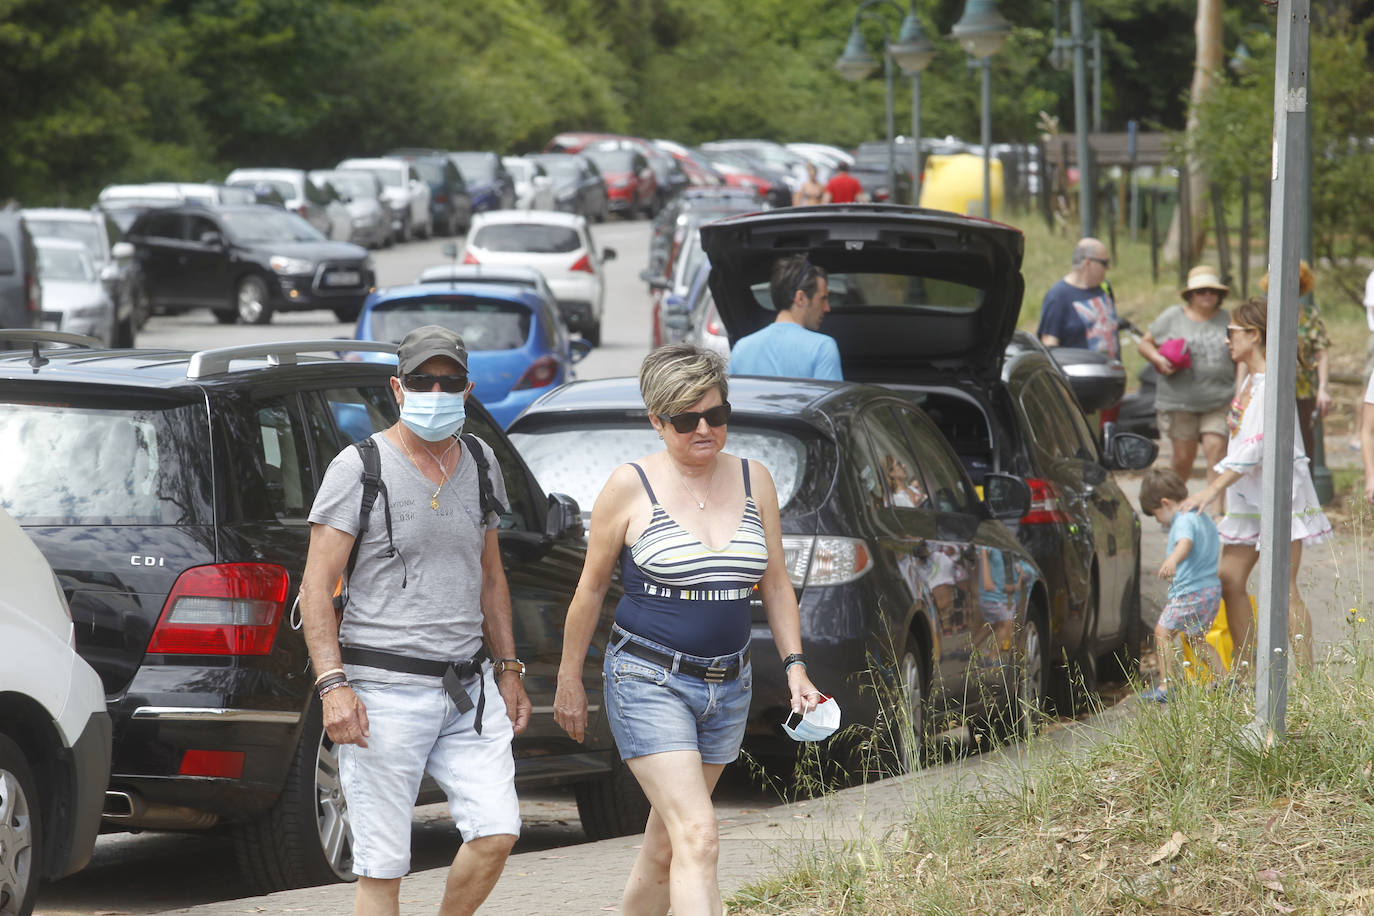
[39, 336]
[278, 353]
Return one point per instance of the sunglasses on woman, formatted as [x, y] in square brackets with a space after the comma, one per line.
[449, 384]
[1236, 327]
[688, 421]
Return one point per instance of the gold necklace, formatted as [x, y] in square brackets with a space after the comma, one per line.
[701, 503]
[433, 497]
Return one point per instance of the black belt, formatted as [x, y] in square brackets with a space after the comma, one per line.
[453, 673]
[711, 674]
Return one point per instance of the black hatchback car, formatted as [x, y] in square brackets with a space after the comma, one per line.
[886, 541]
[170, 493]
[244, 262]
[925, 303]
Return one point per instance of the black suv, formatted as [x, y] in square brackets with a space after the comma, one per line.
[170, 492]
[245, 262]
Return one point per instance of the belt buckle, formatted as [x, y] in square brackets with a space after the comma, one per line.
[715, 674]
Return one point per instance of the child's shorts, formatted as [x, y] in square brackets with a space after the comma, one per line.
[1192, 612]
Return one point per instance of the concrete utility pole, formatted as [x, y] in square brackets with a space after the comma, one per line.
[1287, 203]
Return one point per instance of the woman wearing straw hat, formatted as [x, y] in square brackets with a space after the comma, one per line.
[1187, 346]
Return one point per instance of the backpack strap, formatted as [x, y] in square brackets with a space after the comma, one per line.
[487, 497]
[373, 485]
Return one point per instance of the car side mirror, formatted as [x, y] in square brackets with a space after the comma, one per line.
[564, 519]
[1007, 496]
[1130, 452]
[578, 349]
[121, 250]
[212, 240]
[607, 254]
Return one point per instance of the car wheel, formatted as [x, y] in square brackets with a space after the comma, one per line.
[143, 306]
[253, 300]
[1126, 659]
[21, 831]
[347, 312]
[613, 805]
[305, 838]
[1026, 709]
[124, 333]
[592, 333]
[1076, 680]
[907, 741]
[407, 230]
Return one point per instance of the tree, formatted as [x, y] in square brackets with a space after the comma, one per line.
[1206, 65]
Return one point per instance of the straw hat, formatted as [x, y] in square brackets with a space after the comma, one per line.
[1306, 280]
[1204, 277]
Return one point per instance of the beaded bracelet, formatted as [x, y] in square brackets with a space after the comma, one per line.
[334, 686]
[796, 658]
[327, 674]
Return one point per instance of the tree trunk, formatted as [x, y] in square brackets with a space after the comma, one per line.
[1206, 64]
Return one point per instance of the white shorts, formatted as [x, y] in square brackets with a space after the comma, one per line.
[414, 729]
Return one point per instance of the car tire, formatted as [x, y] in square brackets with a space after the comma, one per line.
[21, 824]
[226, 316]
[592, 333]
[1026, 707]
[613, 805]
[124, 333]
[305, 838]
[1075, 681]
[1126, 659]
[347, 313]
[906, 743]
[253, 301]
[143, 306]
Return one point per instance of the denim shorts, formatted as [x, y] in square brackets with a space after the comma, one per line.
[416, 728]
[653, 709]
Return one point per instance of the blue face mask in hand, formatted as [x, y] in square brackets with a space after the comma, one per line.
[433, 415]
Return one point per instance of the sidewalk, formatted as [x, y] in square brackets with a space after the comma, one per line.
[588, 878]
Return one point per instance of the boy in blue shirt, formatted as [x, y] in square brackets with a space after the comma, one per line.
[1191, 567]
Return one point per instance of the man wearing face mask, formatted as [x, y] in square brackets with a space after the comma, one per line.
[405, 679]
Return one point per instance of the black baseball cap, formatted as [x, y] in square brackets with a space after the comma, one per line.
[426, 343]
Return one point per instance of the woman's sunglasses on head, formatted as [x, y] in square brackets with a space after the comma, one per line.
[688, 421]
[449, 384]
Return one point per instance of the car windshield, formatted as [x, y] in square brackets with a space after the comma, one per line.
[578, 460]
[612, 160]
[285, 188]
[64, 264]
[560, 168]
[390, 177]
[354, 185]
[520, 170]
[430, 172]
[485, 324]
[875, 290]
[69, 464]
[536, 238]
[475, 166]
[83, 231]
[269, 225]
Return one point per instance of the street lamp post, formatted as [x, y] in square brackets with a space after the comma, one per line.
[913, 52]
[856, 63]
[981, 31]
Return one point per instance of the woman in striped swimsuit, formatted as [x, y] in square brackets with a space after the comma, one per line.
[677, 672]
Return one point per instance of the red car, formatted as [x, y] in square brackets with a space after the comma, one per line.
[630, 183]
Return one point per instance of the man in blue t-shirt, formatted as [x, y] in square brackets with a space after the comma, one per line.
[790, 347]
[1079, 310]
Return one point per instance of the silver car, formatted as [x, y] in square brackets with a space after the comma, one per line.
[533, 186]
[361, 193]
[74, 299]
[301, 196]
[114, 260]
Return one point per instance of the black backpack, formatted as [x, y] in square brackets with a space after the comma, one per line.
[373, 485]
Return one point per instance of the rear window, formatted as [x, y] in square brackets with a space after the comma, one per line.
[881, 290]
[102, 463]
[83, 231]
[578, 460]
[485, 324]
[286, 189]
[532, 237]
[475, 166]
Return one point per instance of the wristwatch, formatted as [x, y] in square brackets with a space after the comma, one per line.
[502, 665]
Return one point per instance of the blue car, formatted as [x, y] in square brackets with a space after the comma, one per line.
[517, 345]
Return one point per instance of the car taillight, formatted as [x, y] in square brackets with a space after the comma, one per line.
[825, 559]
[1044, 507]
[583, 263]
[541, 373]
[226, 609]
[470, 258]
[35, 295]
[713, 325]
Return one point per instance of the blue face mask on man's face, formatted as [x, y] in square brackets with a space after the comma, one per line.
[433, 415]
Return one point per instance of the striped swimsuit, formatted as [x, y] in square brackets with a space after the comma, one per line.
[681, 593]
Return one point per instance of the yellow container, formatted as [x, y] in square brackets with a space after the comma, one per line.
[1220, 638]
[955, 183]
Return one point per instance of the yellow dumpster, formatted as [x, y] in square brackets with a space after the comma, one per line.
[955, 182]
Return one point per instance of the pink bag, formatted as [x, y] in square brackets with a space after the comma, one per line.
[1175, 350]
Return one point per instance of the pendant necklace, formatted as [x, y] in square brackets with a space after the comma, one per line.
[433, 497]
[701, 503]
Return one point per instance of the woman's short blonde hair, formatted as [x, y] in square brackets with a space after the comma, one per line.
[675, 377]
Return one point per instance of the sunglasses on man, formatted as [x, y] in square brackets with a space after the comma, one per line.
[687, 421]
[449, 384]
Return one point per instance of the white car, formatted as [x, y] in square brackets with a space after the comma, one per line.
[54, 729]
[559, 246]
[406, 192]
[114, 260]
[74, 298]
[301, 195]
[533, 186]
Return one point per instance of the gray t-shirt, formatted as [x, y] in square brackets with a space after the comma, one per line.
[438, 613]
[1211, 381]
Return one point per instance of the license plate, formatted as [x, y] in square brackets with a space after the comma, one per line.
[343, 278]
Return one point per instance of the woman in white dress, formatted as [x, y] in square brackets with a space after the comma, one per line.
[1241, 471]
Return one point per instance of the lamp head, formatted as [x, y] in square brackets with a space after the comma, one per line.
[981, 30]
[912, 51]
[855, 63]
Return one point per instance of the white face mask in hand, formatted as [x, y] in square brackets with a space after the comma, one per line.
[433, 415]
[818, 724]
